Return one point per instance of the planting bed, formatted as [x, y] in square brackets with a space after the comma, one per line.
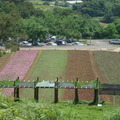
[109, 65]
[17, 67]
[79, 65]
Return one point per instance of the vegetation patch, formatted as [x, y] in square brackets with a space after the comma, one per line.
[33, 111]
[17, 67]
[50, 65]
[109, 65]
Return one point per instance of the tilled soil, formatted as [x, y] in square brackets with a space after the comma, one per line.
[82, 64]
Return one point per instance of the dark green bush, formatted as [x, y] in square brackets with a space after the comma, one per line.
[12, 45]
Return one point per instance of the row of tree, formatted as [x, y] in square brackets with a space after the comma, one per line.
[21, 19]
[108, 9]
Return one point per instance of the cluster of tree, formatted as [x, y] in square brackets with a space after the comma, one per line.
[20, 19]
[112, 30]
[109, 9]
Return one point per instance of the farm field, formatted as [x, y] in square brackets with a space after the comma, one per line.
[82, 64]
[109, 65]
[67, 65]
[17, 67]
[3, 62]
[48, 65]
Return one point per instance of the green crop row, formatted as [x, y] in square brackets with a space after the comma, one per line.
[109, 65]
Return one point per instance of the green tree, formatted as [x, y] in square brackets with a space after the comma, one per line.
[34, 30]
[8, 26]
[110, 31]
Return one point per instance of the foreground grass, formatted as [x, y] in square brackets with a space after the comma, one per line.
[32, 111]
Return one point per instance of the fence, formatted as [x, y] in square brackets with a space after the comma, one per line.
[99, 88]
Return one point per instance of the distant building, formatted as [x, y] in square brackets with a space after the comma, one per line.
[63, 2]
[74, 1]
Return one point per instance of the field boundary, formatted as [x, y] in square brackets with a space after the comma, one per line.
[99, 88]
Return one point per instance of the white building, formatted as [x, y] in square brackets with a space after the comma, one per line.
[74, 1]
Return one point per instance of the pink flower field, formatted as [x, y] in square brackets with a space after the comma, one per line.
[17, 67]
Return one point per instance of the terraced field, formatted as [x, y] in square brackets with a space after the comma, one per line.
[67, 65]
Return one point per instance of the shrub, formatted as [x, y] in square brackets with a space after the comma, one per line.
[12, 45]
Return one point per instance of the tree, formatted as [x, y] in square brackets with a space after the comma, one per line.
[110, 31]
[15, 1]
[8, 26]
[34, 30]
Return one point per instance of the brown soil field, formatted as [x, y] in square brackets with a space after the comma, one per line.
[82, 64]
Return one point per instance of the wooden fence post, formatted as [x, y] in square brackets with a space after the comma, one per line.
[96, 92]
[76, 100]
[36, 90]
[16, 92]
[56, 91]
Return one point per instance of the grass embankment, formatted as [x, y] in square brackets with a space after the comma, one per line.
[33, 111]
[48, 65]
[109, 65]
[4, 59]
